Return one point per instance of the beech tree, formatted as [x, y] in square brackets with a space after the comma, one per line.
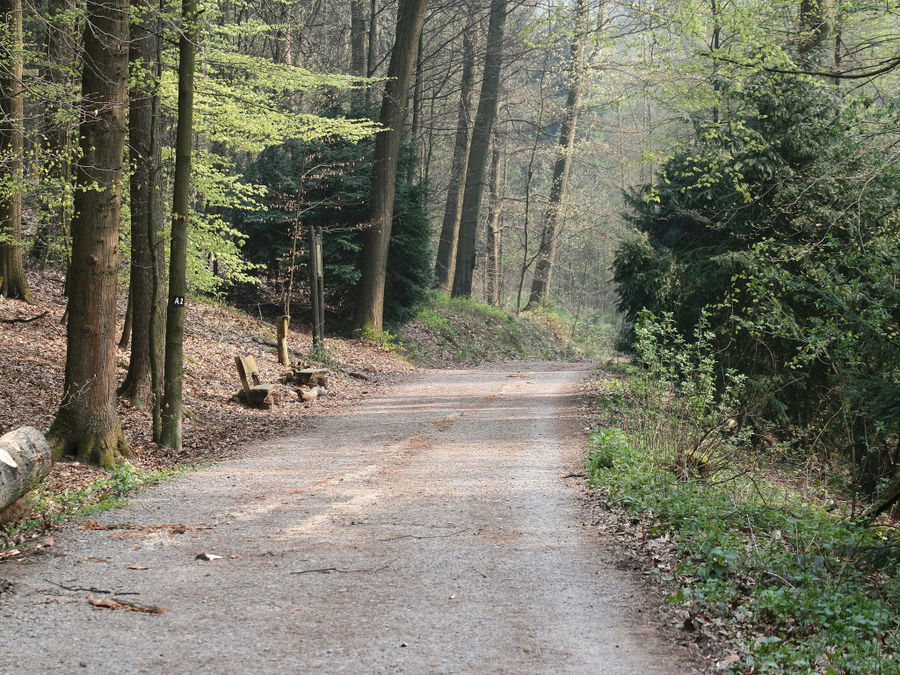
[370, 305]
[493, 243]
[58, 127]
[86, 425]
[543, 270]
[141, 384]
[445, 262]
[171, 433]
[12, 107]
[480, 147]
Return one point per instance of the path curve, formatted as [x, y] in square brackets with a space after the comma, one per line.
[426, 530]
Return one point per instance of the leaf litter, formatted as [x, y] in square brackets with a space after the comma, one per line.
[32, 362]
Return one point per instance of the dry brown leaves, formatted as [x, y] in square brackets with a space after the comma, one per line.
[33, 355]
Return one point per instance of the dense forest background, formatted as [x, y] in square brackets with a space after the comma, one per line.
[733, 164]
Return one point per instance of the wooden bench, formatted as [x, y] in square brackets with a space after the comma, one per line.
[253, 392]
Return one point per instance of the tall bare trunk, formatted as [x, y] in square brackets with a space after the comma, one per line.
[146, 215]
[12, 106]
[372, 51]
[86, 425]
[445, 262]
[51, 238]
[370, 304]
[357, 38]
[480, 146]
[546, 257]
[418, 85]
[492, 234]
[171, 435]
[817, 25]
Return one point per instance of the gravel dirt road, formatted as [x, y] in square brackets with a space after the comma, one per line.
[428, 529]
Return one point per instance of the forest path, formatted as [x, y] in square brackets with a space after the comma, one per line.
[425, 530]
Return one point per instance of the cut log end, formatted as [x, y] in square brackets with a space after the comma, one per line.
[26, 459]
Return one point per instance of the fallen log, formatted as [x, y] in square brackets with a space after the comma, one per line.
[29, 320]
[24, 460]
[890, 497]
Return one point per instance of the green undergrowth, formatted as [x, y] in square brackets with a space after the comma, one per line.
[49, 508]
[789, 578]
[462, 330]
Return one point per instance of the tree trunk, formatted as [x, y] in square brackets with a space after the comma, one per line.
[12, 106]
[817, 19]
[172, 379]
[58, 142]
[416, 125]
[481, 140]
[372, 53]
[543, 270]
[146, 218]
[492, 238]
[24, 460]
[376, 240]
[445, 263]
[125, 340]
[86, 425]
[357, 38]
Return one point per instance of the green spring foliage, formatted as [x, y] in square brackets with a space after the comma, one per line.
[782, 223]
[797, 586]
[326, 182]
[463, 330]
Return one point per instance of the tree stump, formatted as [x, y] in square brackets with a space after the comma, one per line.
[312, 377]
[257, 396]
[24, 460]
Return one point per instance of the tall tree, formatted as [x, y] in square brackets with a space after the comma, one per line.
[171, 435]
[480, 147]
[58, 128]
[370, 305]
[86, 425]
[146, 216]
[543, 270]
[357, 38]
[12, 106]
[817, 23]
[492, 232]
[446, 254]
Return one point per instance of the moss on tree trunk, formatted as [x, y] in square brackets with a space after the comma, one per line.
[100, 447]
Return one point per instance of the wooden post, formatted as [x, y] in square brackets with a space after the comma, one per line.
[316, 288]
[320, 287]
[282, 324]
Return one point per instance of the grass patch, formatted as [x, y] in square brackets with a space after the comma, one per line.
[50, 508]
[801, 589]
[383, 339]
[463, 330]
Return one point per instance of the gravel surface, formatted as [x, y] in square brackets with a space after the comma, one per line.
[427, 530]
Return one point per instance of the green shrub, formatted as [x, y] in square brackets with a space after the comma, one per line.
[799, 589]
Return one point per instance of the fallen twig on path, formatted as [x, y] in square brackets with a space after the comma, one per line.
[91, 589]
[424, 536]
[328, 570]
[109, 603]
